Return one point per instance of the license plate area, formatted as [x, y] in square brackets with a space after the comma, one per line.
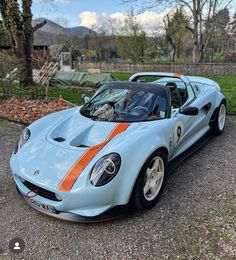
[43, 207]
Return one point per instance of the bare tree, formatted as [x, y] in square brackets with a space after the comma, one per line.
[133, 41]
[176, 32]
[169, 35]
[201, 11]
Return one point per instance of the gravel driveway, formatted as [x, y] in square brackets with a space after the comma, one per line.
[195, 219]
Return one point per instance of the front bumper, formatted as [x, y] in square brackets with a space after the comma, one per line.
[85, 203]
[110, 214]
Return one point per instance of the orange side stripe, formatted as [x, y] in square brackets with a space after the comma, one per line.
[70, 178]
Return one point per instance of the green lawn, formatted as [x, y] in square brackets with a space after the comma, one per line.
[122, 75]
[227, 83]
[228, 87]
[72, 95]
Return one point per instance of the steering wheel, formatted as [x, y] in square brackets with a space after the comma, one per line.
[139, 110]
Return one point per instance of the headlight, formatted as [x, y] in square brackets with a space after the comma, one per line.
[23, 139]
[105, 169]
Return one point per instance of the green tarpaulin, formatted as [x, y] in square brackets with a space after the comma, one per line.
[80, 79]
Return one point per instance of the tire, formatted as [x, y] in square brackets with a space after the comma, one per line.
[142, 197]
[219, 118]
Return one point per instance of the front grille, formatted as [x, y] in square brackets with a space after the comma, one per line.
[41, 192]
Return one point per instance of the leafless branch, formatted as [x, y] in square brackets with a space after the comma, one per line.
[39, 25]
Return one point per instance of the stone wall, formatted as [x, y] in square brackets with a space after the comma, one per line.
[187, 69]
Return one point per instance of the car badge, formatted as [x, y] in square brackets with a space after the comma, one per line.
[36, 173]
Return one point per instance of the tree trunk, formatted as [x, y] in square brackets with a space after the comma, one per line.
[178, 50]
[27, 79]
[196, 42]
[172, 54]
[202, 53]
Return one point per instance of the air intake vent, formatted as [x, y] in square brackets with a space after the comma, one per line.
[59, 139]
[41, 192]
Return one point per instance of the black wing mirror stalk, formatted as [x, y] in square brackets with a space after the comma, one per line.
[85, 98]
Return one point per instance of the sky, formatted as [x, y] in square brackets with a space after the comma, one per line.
[95, 14]
[71, 9]
[101, 14]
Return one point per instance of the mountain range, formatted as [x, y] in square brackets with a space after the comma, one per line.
[52, 31]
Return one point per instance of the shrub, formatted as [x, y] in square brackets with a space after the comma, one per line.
[9, 71]
[219, 57]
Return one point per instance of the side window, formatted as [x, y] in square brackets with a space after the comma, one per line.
[187, 96]
[190, 95]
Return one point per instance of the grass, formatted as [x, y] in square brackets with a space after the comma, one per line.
[72, 95]
[228, 88]
[122, 75]
[227, 83]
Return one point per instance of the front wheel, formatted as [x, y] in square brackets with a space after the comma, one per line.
[218, 125]
[151, 181]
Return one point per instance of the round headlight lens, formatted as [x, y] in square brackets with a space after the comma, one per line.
[105, 169]
[24, 138]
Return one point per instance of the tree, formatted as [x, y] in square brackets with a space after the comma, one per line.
[220, 40]
[176, 32]
[133, 43]
[9, 71]
[3, 35]
[231, 31]
[201, 11]
[170, 31]
[17, 20]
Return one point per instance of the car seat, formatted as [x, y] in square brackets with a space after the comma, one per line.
[176, 100]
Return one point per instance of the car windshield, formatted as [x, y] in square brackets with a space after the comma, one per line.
[127, 103]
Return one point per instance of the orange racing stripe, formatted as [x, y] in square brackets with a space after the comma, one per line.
[177, 75]
[70, 178]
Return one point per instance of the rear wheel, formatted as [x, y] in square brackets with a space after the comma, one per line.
[151, 181]
[218, 124]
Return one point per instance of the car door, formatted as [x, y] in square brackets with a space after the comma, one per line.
[184, 127]
[182, 133]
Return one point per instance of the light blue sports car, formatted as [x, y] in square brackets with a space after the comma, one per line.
[90, 163]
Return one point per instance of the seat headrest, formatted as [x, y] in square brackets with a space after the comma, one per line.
[171, 85]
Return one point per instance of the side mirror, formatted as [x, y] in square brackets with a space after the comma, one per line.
[189, 111]
[85, 98]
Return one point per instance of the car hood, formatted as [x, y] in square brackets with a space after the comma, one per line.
[78, 131]
[57, 148]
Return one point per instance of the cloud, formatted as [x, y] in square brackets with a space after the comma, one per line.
[150, 21]
[89, 19]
